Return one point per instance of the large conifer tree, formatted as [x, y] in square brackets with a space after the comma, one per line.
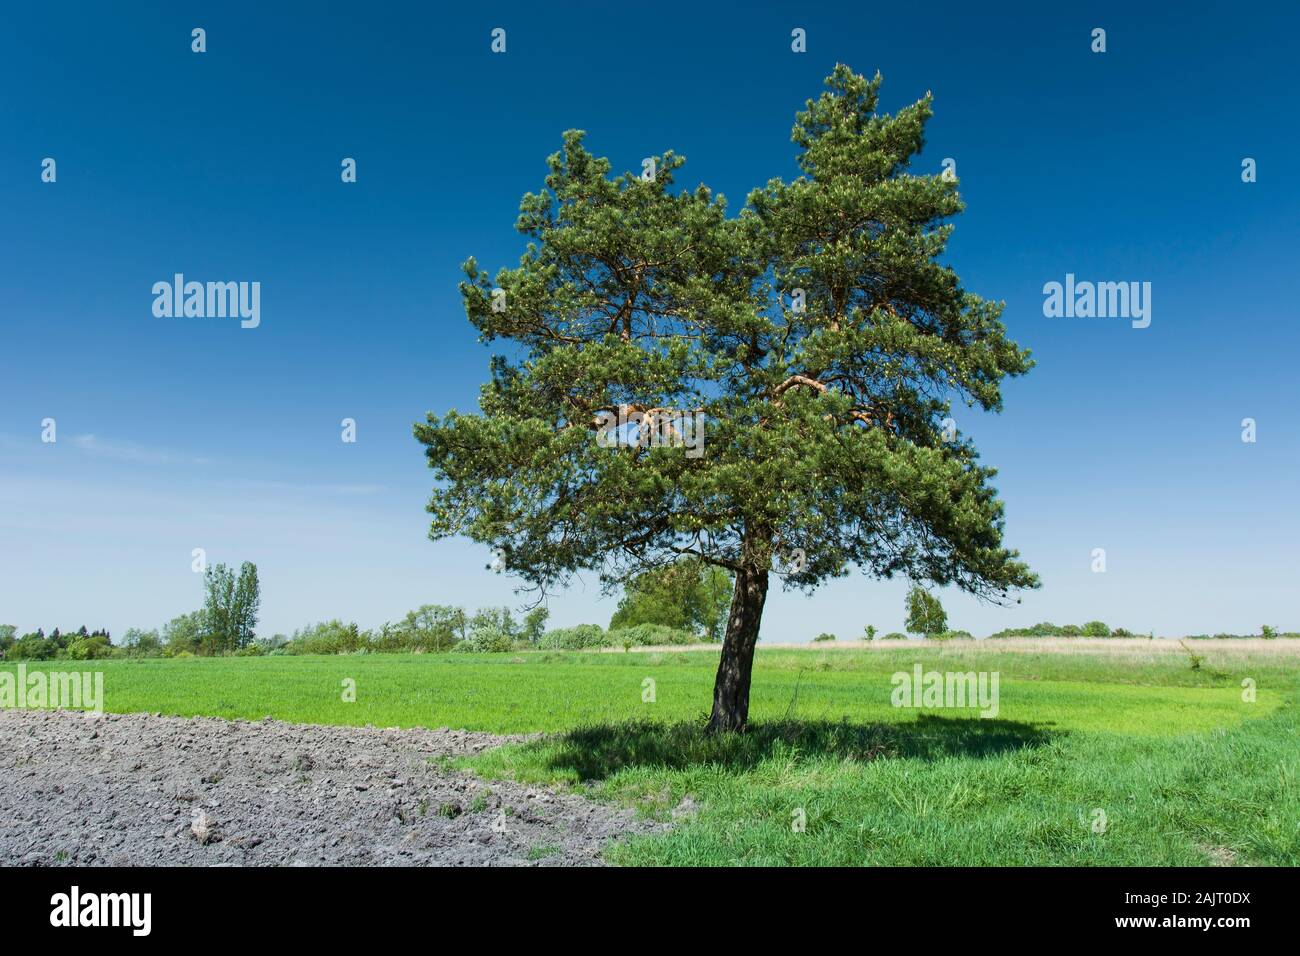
[817, 335]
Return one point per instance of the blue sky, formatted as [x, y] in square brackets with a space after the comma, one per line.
[179, 433]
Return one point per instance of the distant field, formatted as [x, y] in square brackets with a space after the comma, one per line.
[1121, 689]
[1110, 646]
[1183, 769]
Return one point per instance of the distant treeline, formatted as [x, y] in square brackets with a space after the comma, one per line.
[1048, 629]
[78, 645]
[430, 629]
[437, 628]
[1100, 629]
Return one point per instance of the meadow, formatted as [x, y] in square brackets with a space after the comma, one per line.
[1136, 753]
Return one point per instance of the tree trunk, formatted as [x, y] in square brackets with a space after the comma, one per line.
[731, 688]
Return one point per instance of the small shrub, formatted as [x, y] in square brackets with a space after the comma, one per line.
[823, 637]
[652, 635]
[575, 638]
[89, 649]
[491, 641]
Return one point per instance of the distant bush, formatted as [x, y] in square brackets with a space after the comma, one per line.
[575, 638]
[652, 635]
[31, 647]
[327, 637]
[493, 631]
[895, 636]
[1044, 629]
[429, 628]
[1196, 660]
[89, 649]
[1048, 629]
[272, 645]
[823, 637]
[584, 636]
[138, 643]
[535, 625]
[184, 634]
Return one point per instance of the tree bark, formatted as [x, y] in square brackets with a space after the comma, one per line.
[731, 687]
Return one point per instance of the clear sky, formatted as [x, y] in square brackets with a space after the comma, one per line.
[178, 433]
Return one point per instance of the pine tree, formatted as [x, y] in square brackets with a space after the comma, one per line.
[817, 337]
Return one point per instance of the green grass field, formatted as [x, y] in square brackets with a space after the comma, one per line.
[1181, 769]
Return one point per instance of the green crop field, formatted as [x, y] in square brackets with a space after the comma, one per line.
[1121, 756]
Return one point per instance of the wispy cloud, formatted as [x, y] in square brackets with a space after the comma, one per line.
[131, 452]
[134, 452]
[301, 487]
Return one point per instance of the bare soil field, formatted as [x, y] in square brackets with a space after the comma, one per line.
[142, 789]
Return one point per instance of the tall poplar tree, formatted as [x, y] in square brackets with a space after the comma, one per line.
[230, 606]
[817, 337]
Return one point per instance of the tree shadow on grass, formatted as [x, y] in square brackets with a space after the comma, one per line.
[596, 752]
